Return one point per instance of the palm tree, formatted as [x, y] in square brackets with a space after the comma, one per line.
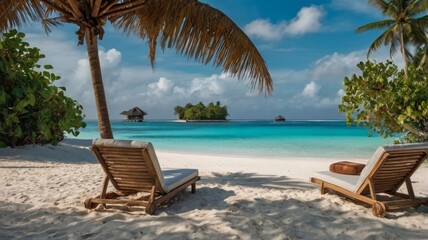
[403, 26]
[193, 28]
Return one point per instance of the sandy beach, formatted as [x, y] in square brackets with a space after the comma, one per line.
[43, 189]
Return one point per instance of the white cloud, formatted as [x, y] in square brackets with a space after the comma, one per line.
[308, 20]
[314, 91]
[336, 65]
[160, 88]
[265, 29]
[110, 59]
[310, 90]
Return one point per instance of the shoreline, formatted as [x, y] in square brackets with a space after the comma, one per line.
[44, 187]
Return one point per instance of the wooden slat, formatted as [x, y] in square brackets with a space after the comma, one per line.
[392, 173]
[404, 156]
[131, 187]
[126, 161]
[384, 181]
[403, 161]
[405, 168]
[131, 180]
[124, 157]
[406, 152]
[128, 182]
[119, 151]
[128, 173]
[127, 165]
[395, 167]
[124, 187]
[132, 176]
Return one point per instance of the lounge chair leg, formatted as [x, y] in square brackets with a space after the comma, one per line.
[372, 189]
[89, 204]
[104, 189]
[379, 209]
[193, 187]
[151, 207]
[322, 188]
[410, 188]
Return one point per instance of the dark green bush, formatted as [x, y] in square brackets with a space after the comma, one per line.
[32, 109]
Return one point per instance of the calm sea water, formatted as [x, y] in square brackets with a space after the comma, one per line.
[250, 138]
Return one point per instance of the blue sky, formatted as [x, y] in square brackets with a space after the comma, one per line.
[309, 47]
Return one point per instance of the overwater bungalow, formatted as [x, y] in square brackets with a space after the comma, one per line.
[279, 118]
[134, 114]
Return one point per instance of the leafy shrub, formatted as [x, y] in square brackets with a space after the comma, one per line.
[387, 101]
[32, 109]
[202, 112]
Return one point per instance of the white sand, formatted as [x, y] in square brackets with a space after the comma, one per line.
[42, 190]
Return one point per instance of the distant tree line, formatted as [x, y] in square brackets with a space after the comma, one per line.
[202, 112]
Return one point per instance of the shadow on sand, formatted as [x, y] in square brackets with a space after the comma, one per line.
[225, 206]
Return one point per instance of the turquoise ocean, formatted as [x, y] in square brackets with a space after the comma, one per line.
[326, 139]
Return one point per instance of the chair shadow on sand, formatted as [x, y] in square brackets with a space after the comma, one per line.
[234, 215]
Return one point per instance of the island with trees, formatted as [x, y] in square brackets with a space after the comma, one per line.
[200, 112]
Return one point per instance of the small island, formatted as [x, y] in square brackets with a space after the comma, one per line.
[200, 112]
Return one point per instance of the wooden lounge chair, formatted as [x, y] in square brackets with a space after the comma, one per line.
[386, 171]
[132, 167]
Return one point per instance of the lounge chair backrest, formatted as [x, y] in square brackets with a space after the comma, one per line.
[132, 166]
[389, 166]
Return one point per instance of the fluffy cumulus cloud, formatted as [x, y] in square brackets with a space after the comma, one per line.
[308, 20]
[312, 92]
[336, 66]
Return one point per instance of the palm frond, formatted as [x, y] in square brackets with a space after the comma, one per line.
[416, 7]
[379, 4]
[47, 23]
[14, 14]
[376, 25]
[201, 32]
[383, 39]
[417, 34]
[395, 46]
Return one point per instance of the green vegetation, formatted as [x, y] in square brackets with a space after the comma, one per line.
[403, 27]
[194, 29]
[201, 112]
[387, 101]
[32, 109]
[392, 101]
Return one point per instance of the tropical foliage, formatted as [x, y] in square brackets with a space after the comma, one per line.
[405, 26]
[194, 29]
[202, 112]
[390, 101]
[387, 101]
[32, 109]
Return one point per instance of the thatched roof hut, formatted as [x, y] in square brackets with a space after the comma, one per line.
[279, 118]
[134, 114]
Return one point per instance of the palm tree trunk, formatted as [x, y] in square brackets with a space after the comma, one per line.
[97, 81]
[403, 50]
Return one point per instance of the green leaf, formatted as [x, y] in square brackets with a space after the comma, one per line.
[32, 108]
[31, 99]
